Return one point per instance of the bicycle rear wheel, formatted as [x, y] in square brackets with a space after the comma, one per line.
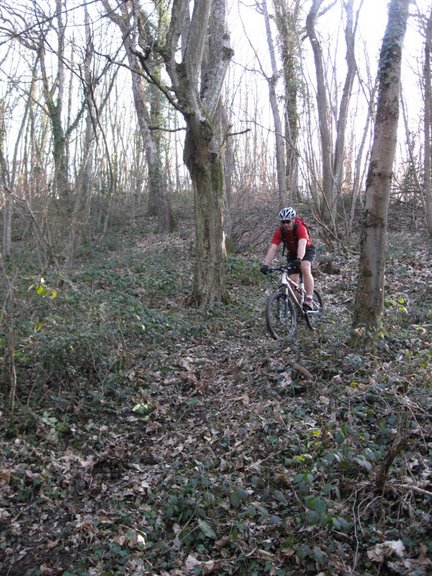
[313, 316]
[280, 316]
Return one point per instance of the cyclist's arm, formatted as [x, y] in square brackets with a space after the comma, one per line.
[301, 248]
[270, 254]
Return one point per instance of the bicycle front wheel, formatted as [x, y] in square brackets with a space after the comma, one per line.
[314, 315]
[280, 316]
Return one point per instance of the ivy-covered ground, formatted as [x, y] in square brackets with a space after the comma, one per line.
[149, 438]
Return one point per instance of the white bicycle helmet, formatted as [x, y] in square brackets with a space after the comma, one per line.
[287, 214]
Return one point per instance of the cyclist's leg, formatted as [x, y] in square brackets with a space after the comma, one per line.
[308, 280]
[294, 276]
[306, 268]
[314, 314]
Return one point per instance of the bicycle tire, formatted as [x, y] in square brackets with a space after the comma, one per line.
[313, 316]
[281, 317]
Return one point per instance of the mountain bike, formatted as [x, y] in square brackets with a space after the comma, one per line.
[284, 307]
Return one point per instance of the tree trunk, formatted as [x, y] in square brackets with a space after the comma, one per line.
[83, 181]
[287, 21]
[279, 137]
[339, 155]
[159, 198]
[328, 209]
[4, 181]
[197, 83]
[206, 173]
[228, 169]
[55, 108]
[370, 288]
[428, 125]
[360, 167]
[158, 203]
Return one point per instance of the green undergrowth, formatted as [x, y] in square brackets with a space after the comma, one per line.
[84, 329]
[151, 438]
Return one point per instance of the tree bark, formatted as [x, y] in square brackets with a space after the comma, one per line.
[228, 168]
[287, 21]
[197, 84]
[4, 182]
[342, 120]
[206, 173]
[279, 137]
[54, 105]
[370, 288]
[428, 124]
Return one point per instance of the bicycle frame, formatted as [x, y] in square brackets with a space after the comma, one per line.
[281, 317]
[293, 290]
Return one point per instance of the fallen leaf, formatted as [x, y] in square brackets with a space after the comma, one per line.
[385, 550]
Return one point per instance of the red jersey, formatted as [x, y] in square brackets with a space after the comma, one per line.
[292, 237]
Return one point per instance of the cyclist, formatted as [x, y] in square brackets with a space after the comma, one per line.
[300, 251]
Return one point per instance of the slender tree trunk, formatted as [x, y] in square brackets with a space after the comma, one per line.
[54, 105]
[428, 125]
[342, 120]
[4, 182]
[370, 288]
[287, 21]
[228, 168]
[84, 176]
[158, 203]
[159, 197]
[360, 166]
[328, 209]
[279, 133]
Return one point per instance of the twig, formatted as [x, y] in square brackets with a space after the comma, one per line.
[382, 473]
[414, 489]
[301, 369]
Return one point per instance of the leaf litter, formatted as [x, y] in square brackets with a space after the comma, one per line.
[221, 456]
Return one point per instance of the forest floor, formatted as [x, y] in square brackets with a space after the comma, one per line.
[149, 438]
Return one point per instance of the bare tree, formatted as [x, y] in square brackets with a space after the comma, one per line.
[146, 111]
[360, 166]
[342, 117]
[287, 21]
[84, 177]
[195, 90]
[279, 135]
[370, 288]
[272, 80]
[324, 115]
[34, 33]
[427, 79]
[228, 162]
[332, 157]
[19, 175]
[54, 99]
[4, 182]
